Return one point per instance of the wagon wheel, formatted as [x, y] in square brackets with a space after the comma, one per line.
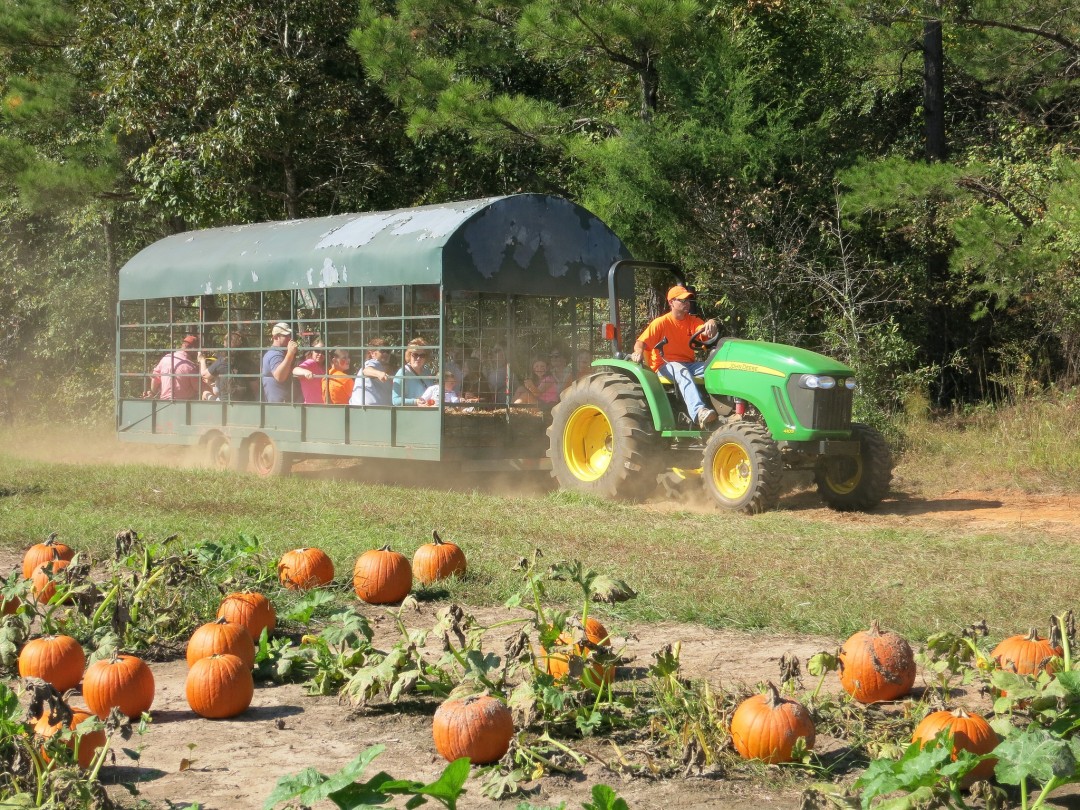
[601, 439]
[266, 458]
[220, 453]
[857, 483]
[743, 469]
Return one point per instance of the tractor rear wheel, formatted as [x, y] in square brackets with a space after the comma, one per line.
[857, 483]
[743, 470]
[601, 440]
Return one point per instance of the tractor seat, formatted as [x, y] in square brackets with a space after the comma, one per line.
[666, 381]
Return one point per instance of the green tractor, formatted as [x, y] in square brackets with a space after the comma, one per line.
[782, 409]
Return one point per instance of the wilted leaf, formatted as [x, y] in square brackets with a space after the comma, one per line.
[610, 590]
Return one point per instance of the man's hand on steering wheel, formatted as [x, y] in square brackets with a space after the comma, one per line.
[706, 336]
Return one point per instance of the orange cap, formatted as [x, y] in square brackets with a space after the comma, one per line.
[680, 292]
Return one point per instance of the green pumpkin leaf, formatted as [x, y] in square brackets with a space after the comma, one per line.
[1037, 754]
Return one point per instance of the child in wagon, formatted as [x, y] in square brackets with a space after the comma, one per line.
[448, 391]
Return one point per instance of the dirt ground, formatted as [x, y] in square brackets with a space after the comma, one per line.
[185, 760]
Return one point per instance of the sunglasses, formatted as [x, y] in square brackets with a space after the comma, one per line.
[419, 356]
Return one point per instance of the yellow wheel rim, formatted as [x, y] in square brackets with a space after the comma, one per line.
[843, 476]
[732, 471]
[587, 443]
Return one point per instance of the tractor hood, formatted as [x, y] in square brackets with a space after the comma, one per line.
[773, 359]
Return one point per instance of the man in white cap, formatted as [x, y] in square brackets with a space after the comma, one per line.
[676, 359]
[277, 364]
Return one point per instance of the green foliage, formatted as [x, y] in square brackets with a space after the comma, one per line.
[342, 788]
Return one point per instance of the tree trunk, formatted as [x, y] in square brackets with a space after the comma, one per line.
[934, 91]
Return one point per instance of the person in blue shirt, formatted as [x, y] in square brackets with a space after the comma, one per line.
[410, 382]
[374, 380]
[277, 364]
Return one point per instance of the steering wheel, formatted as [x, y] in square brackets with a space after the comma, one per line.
[696, 344]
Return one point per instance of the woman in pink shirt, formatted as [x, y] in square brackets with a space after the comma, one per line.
[311, 373]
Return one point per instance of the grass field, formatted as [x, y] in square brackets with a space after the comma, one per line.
[808, 572]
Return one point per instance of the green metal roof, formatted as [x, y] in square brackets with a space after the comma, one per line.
[528, 244]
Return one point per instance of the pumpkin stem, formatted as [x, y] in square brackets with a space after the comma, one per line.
[1033, 634]
[960, 714]
[875, 628]
[435, 538]
[221, 620]
[385, 548]
[772, 695]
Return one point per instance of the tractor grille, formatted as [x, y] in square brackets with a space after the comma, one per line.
[819, 409]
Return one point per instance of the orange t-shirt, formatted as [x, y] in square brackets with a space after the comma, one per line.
[678, 334]
[338, 391]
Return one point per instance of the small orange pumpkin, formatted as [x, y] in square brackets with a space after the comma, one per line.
[970, 732]
[558, 662]
[304, 568]
[89, 743]
[478, 727]
[1026, 655]
[123, 681]
[43, 580]
[253, 610]
[437, 560]
[219, 686]
[9, 606]
[382, 576]
[876, 665]
[767, 726]
[221, 636]
[58, 660]
[43, 552]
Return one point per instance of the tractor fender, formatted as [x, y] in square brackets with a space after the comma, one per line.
[655, 396]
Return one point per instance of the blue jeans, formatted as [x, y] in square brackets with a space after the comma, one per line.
[682, 374]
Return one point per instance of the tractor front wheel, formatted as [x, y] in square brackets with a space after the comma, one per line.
[601, 440]
[742, 468]
[857, 483]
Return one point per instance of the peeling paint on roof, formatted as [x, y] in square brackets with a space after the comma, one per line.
[530, 244]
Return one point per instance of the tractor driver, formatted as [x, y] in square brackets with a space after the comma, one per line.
[667, 339]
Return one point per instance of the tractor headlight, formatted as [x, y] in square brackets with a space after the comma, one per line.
[817, 381]
[850, 384]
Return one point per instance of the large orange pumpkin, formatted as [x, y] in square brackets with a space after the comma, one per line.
[219, 686]
[1026, 655]
[253, 610]
[123, 681]
[876, 665]
[558, 662]
[382, 576]
[767, 726]
[970, 732]
[43, 552]
[58, 660]
[43, 579]
[221, 636]
[88, 743]
[304, 568]
[437, 560]
[478, 727]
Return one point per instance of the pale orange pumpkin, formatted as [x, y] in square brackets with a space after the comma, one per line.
[221, 636]
[557, 662]
[88, 743]
[970, 732]
[58, 660]
[1026, 655]
[123, 681]
[40, 553]
[219, 686]
[253, 610]
[304, 568]
[767, 726]
[382, 576]
[478, 727]
[437, 560]
[43, 580]
[876, 665]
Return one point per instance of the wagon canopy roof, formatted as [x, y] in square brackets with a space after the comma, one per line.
[527, 244]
